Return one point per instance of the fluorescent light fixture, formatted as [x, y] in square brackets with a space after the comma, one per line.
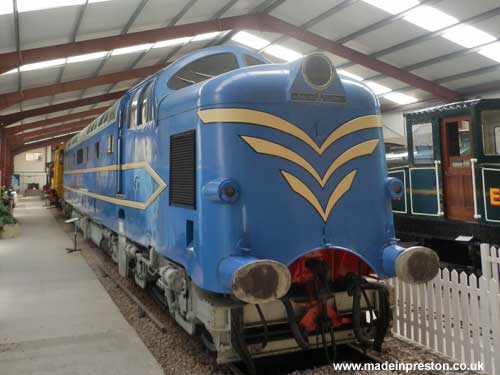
[468, 36]
[6, 7]
[31, 5]
[282, 53]
[46, 139]
[131, 49]
[400, 98]
[491, 51]
[377, 88]
[393, 6]
[250, 40]
[42, 65]
[349, 75]
[430, 18]
[206, 36]
[87, 57]
[172, 42]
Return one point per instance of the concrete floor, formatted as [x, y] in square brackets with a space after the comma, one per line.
[55, 317]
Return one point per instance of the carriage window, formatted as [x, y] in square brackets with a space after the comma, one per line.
[109, 144]
[491, 132]
[134, 112]
[145, 113]
[203, 69]
[251, 60]
[96, 150]
[79, 156]
[87, 154]
[423, 152]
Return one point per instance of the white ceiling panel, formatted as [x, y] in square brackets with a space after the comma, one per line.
[474, 80]
[80, 70]
[119, 63]
[157, 13]
[8, 82]
[37, 78]
[66, 96]
[421, 52]
[7, 35]
[491, 26]
[349, 20]
[300, 12]
[389, 35]
[106, 17]
[202, 11]
[47, 27]
[462, 64]
[243, 7]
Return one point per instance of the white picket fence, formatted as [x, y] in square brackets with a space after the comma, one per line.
[455, 314]
[490, 261]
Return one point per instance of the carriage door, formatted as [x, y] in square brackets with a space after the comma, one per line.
[456, 149]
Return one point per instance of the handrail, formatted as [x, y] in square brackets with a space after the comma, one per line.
[473, 162]
[436, 163]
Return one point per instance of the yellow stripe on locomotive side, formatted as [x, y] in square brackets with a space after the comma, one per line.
[162, 185]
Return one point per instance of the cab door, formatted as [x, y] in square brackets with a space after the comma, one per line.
[457, 152]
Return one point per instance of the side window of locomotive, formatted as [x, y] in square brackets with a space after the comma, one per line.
[146, 111]
[491, 132]
[423, 147]
[109, 144]
[96, 150]
[79, 156]
[134, 110]
[251, 60]
[203, 69]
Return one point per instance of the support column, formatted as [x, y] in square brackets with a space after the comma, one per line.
[6, 161]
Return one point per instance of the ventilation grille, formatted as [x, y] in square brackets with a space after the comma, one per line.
[183, 169]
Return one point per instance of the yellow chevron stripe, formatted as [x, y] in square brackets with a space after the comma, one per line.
[249, 116]
[263, 146]
[301, 189]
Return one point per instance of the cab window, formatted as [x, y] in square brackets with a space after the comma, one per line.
[134, 112]
[203, 69]
[252, 60]
[491, 132]
[146, 111]
[423, 147]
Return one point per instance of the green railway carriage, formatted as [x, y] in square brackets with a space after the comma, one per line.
[451, 179]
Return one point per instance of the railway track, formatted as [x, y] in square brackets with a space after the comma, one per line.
[149, 308]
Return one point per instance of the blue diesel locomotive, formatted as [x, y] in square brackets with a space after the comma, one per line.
[252, 198]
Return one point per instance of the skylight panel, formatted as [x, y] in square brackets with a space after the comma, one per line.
[250, 40]
[491, 51]
[172, 42]
[393, 6]
[87, 57]
[400, 98]
[205, 36]
[377, 88]
[31, 5]
[468, 36]
[430, 18]
[282, 53]
[6, 7]
[349, 75]
[42, 65]
[131, 49]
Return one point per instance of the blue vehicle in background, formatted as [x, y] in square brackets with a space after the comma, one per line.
[253, 200]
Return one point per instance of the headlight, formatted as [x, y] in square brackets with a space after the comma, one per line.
[317, 71]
